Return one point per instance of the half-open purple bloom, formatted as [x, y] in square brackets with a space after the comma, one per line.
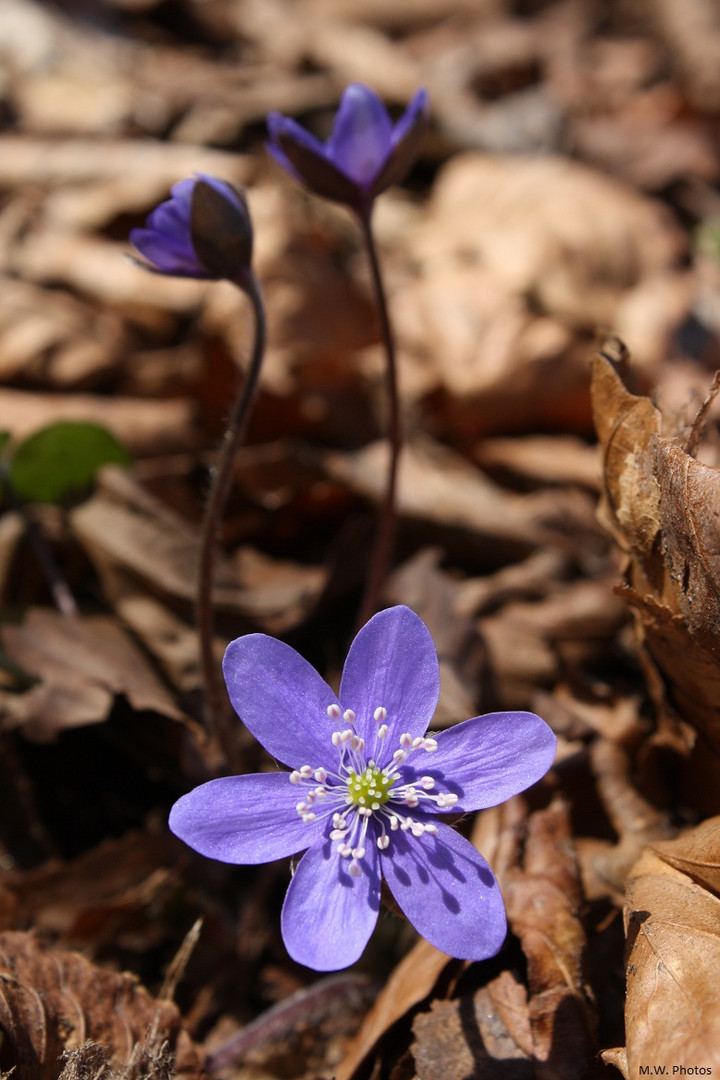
[202, 231]
[365, 153]
[366, 793]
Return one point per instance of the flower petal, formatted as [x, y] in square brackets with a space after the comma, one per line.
[244, 819]
[328, 915]
[448, 892]
[305, 158]
[486, 760]
[392, 663]
[360, 140]
[406, 141]
[168, 255]
[281, 699]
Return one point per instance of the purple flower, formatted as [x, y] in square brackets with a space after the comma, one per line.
[366, 794]
[365, 153]
[203, 231]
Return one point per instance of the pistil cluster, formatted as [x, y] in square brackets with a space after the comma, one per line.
[363, 799]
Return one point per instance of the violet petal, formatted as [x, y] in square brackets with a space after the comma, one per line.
[488, 759]
[360, 140]
[329, 915]
[392, 663]
[281, 699]
[244, 819]
[447, 891]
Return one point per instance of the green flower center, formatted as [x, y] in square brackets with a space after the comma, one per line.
[370, 788]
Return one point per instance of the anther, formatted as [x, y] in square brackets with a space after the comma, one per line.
[400, 756]
[427, 783]
[382, 731]
[430, 745]
[295, 777]
[355, 869]
[349, 716]
[333, 712]
[321, 775]
[306, 771]
[406, 740]
[383, 841]
[380, 714]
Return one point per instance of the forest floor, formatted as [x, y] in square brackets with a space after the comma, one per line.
[558, 502]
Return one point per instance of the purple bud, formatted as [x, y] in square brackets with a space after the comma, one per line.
[203, 231]
[365, 153]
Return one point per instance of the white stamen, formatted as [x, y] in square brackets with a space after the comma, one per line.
[345, 850]
[446, 799]
[400, 756]
[432, 829]
[430, 745]
[382, 731]
[417, 742]
[358, 852]
[355, 869]
[380, 714]
[306, 771]
[333, 712]
[338, 834]
[295, 777]
[383, 841]
[427, 782]
[406, 740]
[349, 716]
[320, 775]
[357, 743]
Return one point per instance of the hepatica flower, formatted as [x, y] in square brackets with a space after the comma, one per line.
[366, 793]
[365, 153]
[203, 231]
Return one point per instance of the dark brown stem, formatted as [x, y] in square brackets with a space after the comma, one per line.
[382, 550]
[301, 1007]
[215, 701]
[61, 593]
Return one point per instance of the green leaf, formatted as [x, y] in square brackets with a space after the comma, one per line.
[61, 460]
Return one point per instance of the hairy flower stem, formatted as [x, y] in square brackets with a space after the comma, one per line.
[385, 535]
[215, 698]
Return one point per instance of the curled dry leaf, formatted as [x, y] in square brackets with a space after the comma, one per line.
[543, 903]
[662, 507]
[53, 1001]
[672, 920]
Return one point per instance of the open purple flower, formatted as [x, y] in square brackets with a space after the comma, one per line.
[366, 793]
[365, 153]
[202, 231]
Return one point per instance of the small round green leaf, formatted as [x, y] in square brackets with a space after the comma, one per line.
[61, 460]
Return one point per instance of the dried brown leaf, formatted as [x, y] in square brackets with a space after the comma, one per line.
[672, 1015]
[52, 1000]
[82, 663]
[411, 981]
[486, 1035]
[543, 903]
[663, 507]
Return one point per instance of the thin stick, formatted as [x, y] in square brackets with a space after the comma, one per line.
[382, 550]
[214, 706]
